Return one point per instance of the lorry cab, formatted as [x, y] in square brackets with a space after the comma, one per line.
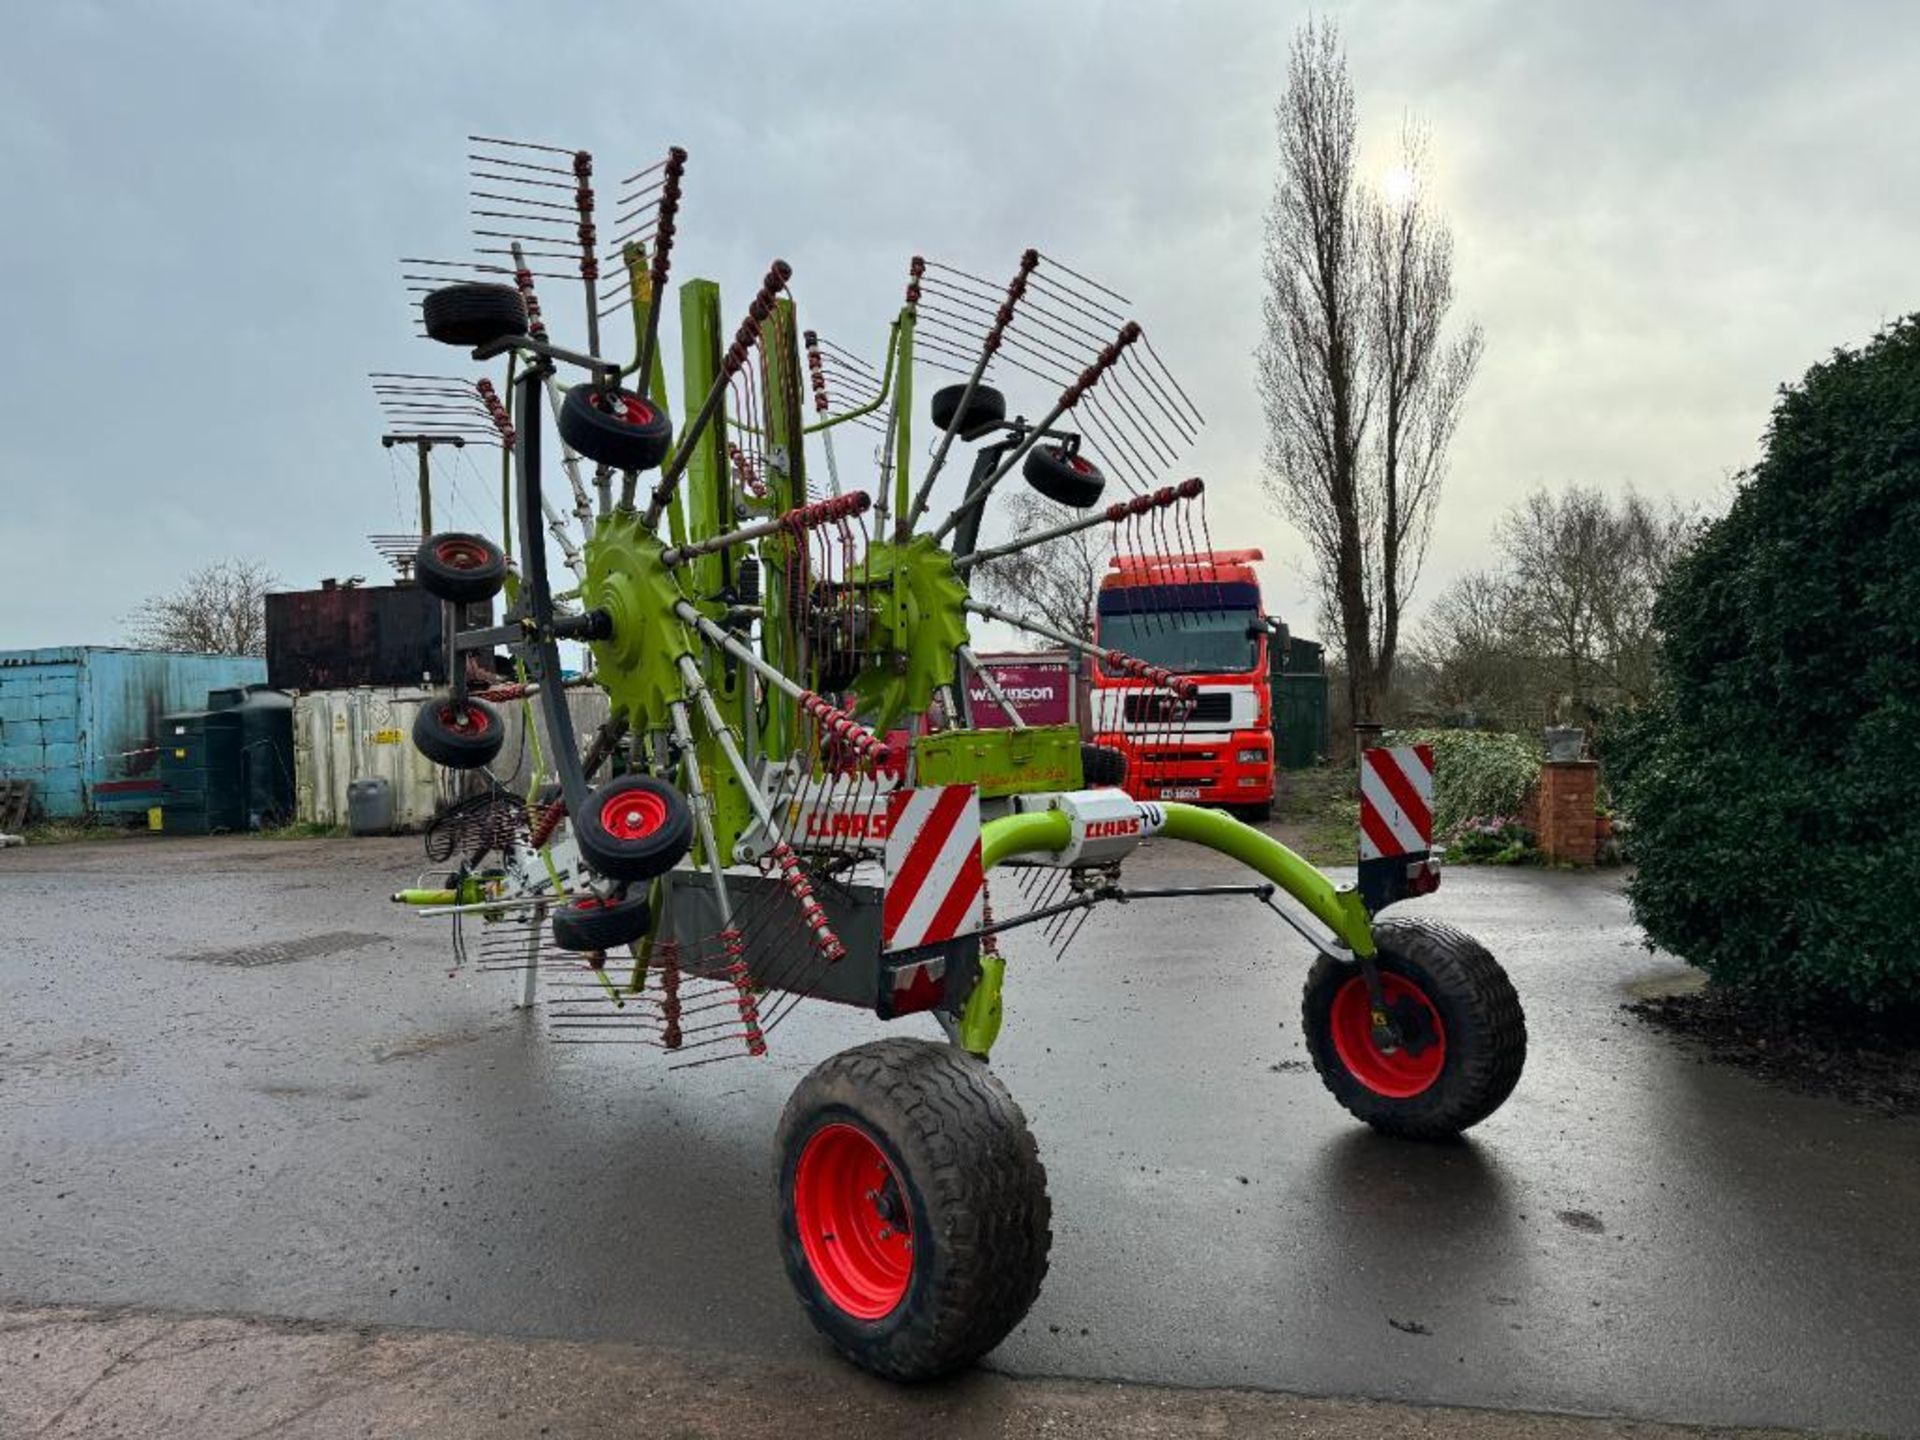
[1201, 617]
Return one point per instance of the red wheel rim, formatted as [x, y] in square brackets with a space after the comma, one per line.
[1079, 463]
[470, 721]
[1398, 1074]
[633, 814]
[461, 554]
[851, 1211]
[630, 409]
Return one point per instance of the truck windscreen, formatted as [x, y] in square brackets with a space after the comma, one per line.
[1184, 641]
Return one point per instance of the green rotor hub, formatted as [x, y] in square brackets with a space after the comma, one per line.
[920, 618]
[628, 578]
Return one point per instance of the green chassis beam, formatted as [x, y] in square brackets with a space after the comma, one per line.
[1049, 831]
[1338, 909]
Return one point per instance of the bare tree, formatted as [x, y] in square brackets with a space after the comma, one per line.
[219, 609]
[1474, 665]
[1361, 388]
[1585, 572]
[1057, 581]
[1563, 629]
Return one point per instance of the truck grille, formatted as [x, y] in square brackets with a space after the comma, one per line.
[1213, 707]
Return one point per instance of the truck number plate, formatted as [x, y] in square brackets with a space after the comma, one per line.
[1180, 792]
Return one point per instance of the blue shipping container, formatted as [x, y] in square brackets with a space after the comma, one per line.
[81, 721]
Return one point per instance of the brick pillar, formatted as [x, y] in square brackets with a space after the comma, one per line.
[1565, 826]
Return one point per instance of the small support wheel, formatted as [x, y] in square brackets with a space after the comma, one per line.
[1462, 1036]
[1070, 480]
[1102, 765]
[914, 1218]
[986, 409]
[634, 828]
[589, 923]
[615, 427]
[460, 737]
[474, 313]
[460, 569]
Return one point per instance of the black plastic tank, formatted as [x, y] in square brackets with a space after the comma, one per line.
[265, 774]
[200, 773]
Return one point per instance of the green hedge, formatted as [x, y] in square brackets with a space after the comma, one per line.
[1772, 787]
[1478, 775]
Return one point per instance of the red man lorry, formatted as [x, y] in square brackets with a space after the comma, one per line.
[1199, 616]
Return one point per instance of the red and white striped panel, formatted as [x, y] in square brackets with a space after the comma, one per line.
[1396, 801]
[936, 888]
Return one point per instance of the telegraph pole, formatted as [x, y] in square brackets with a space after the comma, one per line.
[424, 444]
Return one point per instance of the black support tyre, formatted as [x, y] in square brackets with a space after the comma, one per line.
[473, 314]
[985, 409]
[1102, 765]
[589, 923]
[914, 1218]
[634, 828]
[460, 737]
[1070, 480]
[460, 569]
[616, 428]
[1465, 1038]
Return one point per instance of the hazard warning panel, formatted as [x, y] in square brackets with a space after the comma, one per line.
[936, 887]
[1396, 801]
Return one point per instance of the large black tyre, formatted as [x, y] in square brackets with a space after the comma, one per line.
[634, 828]
[460, 569]
[616, 428]
[474, 313]
[985, 409]
[1467, 1037]
[914, 1218]
[458, 737]
[1070, 480]
[590, 923]
[1102, 765]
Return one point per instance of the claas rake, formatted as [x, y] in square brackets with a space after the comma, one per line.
[785, 800]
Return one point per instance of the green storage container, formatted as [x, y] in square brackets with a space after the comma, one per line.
[1298, 685]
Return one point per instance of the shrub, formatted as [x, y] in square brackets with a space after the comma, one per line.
[1493, 840]
[1475, 773]
[1772, 785]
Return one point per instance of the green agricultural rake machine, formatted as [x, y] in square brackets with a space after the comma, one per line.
[785, 800]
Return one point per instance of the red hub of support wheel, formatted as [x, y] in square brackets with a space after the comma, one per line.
[632, 815]
[628, 408]
[1406, 1069]
[851, 1213]
[461, 553]
[465, 719]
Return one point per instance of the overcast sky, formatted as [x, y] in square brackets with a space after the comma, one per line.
[1662, 211]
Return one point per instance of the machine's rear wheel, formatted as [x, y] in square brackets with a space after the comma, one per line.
[460, 737]
[913, 1207]
[1464, 1036]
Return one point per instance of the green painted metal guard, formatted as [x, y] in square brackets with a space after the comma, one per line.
[1340, 910]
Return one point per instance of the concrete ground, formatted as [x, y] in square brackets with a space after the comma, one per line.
[75, 1373]
[234, 1079]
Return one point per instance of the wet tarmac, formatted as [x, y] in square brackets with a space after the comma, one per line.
[233, 1077]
